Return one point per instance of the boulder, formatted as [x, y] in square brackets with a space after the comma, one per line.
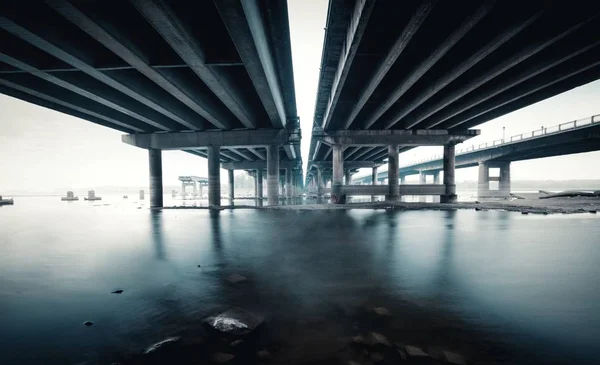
[235, 321]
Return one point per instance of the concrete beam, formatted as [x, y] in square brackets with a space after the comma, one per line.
[420, 69]
[257, 153]
[243, 155]
[209, 109]
[356, 28]
[169, 26]
[60, 51]
[258, 165]
[187, 140]
[406, 137]
[394, 52]
[247, 30]
[347, 164]
[457, 71]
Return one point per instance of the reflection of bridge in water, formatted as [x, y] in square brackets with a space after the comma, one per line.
[563, 139]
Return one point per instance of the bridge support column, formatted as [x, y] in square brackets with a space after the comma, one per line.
[338, 172]
[504, 184]
[393, 173]
[422, 178]
[320, 183]
[231, 185]
[288, 184]
[483, 183]
[156, 185]
[259, 184]
[273, 174]
[436, 177]
[402, 179]
[214, 176]
[449, 167]
[374, 176]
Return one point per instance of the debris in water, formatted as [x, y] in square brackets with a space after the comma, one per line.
[162, 344]
[118, 291]
[235, 321]
[88, 323]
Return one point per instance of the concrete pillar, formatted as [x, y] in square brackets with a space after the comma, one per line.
[183, 189]
[504, 184]
[347, 177]
[338, 171]
[259, 184]
[195, 188]
[214, 176]
[319, 182]
[156, 186]
[402, 179]
[231, 185]
[273, 174]
[483, 183]
[288, 183]
[436, 177]
[422, 178]
[449, 182]
[374, 176]
[393, 173]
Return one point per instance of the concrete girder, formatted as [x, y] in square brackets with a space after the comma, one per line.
[257, 153]
[172, 30]
[405, 137]
[258, 165]
[505, 93]
[246, 27]
[458, 70]
[205, 155]
[60, 108]
[228, 155]
[115, 103]
[356, 28]
[420, 70]
[363, 152]
[60, 52]
[497, 70]
[347, 164]
[188, 140]
[92, 110]
[127, 51]
[394, 52]
[241, 154]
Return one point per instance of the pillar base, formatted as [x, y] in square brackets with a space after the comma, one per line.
[452, 198]
[391, 198]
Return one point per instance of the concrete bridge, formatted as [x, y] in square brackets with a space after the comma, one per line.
[399, 74]
[575, 136]
[212, 78]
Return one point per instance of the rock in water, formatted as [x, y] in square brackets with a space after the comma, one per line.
[88, 323]
[235, 321]
[222, 357]
[455, 358]
[264, 355]
[166, 343]
[118, 291]
[378, 338]
[414, 351]
[382, 311]
[235, 278]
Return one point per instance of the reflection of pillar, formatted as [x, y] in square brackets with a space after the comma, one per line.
[231, 184]
[436, 177]
[483, 183]
[320, 181]
[393, 172]
[422, 178]
[288, 183]
[374, 176]
[156, 187]
[338, 171]
[449, 182]
[504, 184]
[273, 174]
[214, 176]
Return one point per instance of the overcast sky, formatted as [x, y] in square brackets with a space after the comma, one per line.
[41, 149]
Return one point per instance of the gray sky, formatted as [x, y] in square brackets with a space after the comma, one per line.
[41, 149]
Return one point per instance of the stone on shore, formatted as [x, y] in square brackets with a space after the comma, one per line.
[118, 291]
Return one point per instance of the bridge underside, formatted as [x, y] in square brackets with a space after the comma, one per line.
[157, 66]
[393, 65]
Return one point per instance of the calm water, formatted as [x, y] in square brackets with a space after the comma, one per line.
[496, 286]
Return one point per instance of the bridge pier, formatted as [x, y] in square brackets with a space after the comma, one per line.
[449, 169]
[231, 185]
[288, 184]
[436, 177]
[258, 184]
[422, 178]
[338, 171]
[273, 174]
[214, 176]
[156, 185]
[393, 173]
[483, 184]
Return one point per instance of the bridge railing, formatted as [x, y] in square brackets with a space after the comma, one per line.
[515, 138]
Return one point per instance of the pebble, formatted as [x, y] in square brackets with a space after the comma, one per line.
[414, 351]
[236, 343]
[378, 338]
[88, 323]
[360, 340]
[264, 355]
[118, 291]
[382, 311]
[455, 358]
[222, 357]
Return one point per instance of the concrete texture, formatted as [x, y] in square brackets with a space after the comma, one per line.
[214, 177]
[273, 174]
[156, 184]
[393, 174]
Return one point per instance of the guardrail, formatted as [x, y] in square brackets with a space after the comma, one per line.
[516, 138]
